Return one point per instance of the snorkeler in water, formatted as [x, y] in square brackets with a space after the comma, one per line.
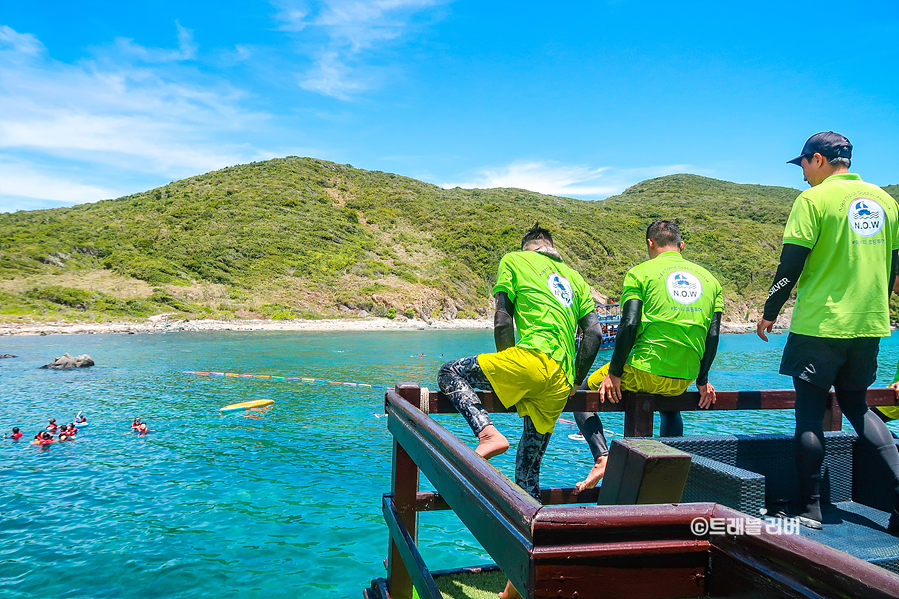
[16, 433]
[136, 424]
[52, 425]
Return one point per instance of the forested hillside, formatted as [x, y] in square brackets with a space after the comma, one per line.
[306, 238]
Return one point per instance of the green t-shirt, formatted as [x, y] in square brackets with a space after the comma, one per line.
[679, 299]
[550, 298]
[851, 227]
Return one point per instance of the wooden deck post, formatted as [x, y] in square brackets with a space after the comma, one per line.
[638, 414]
[404, 487]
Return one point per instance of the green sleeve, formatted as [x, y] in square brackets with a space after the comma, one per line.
[585, 300]
[633, 288]
[803, 225]
[894, 226]
[719, 300]
[896, 376]
[505, 278]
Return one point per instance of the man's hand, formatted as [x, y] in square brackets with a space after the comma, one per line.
[895, 388]
[610, 388]
[706, 395]
[763, 327]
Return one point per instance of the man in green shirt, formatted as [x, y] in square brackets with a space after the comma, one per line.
[548, 301]
[668, 337]
[840, 245]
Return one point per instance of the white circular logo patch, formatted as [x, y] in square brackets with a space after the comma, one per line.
[866, 217]
[561, 288]
[684, 287]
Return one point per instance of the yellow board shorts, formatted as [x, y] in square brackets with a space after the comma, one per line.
[529, 380]
[891, 412]
[640, 381]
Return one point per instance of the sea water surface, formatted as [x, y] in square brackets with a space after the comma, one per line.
[282, 502]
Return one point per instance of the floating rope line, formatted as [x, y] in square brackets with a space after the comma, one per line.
[301, 379]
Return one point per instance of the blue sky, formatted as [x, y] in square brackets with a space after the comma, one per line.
[582, 99]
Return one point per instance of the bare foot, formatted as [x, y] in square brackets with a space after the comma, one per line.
[596, 473]
[510, 592]
[491, 442]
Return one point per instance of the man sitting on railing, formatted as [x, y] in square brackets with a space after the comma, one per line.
[668, 337]
[548, 300]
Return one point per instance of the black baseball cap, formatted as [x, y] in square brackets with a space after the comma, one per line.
[826, 143]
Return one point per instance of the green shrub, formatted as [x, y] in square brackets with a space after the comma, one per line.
[409, 312]
[391, 313]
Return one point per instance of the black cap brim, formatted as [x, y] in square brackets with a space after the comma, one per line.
[797, 161]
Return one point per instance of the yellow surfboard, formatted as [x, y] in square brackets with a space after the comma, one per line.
[246, 405]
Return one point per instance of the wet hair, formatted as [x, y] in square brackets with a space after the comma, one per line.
[664, 233]
[839, 161]
[46, 435]
[15, 429]
[53, 420]
[535, 233]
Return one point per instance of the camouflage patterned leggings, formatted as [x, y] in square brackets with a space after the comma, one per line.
[458, 380]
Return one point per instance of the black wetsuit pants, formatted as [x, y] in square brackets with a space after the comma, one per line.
[811, 402]
[458, 380]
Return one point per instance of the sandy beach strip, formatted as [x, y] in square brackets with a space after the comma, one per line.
[157, 324]
[162, 325]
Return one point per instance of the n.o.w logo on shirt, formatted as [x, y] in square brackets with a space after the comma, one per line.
[865, 217]
[561, 288]
[684, 287]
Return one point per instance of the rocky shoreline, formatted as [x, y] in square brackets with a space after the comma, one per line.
[157, 324]
[162, 325]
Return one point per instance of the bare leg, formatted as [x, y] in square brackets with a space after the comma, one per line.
[458, 380]
[491, 442]
[510, 592]
[596, 473]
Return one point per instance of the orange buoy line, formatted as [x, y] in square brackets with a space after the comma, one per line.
[301, 379]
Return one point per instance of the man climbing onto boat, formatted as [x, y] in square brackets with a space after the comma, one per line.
[840, 245]
[668, 337]
[546, 300]
[537, 293]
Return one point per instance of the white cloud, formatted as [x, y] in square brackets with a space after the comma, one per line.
[26, 181]
[21, 43]
[187, 49]
[350, 29]
[137, 109]
[576, 181]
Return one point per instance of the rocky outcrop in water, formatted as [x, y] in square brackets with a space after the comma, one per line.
[67, 361]
[7, 356]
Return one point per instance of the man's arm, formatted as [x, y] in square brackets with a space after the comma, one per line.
[894, 270]
[706, 390]
[504, 322]
[711, 349]
[589, 346]
[631, 314]
[792, 261]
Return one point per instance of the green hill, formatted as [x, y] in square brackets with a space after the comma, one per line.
[300, 237]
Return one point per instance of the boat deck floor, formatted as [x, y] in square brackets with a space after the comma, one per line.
[858, 530]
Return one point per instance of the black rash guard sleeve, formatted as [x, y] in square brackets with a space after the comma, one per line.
[792, 261]
[627, 334]
[711, 349]
[894, 267]
[504, 322]
[588, 348]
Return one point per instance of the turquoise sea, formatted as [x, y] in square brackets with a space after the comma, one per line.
[283, 502]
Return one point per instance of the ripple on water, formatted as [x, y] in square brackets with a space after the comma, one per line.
[281, 502]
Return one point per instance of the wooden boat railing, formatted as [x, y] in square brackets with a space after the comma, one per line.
[550, 550]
